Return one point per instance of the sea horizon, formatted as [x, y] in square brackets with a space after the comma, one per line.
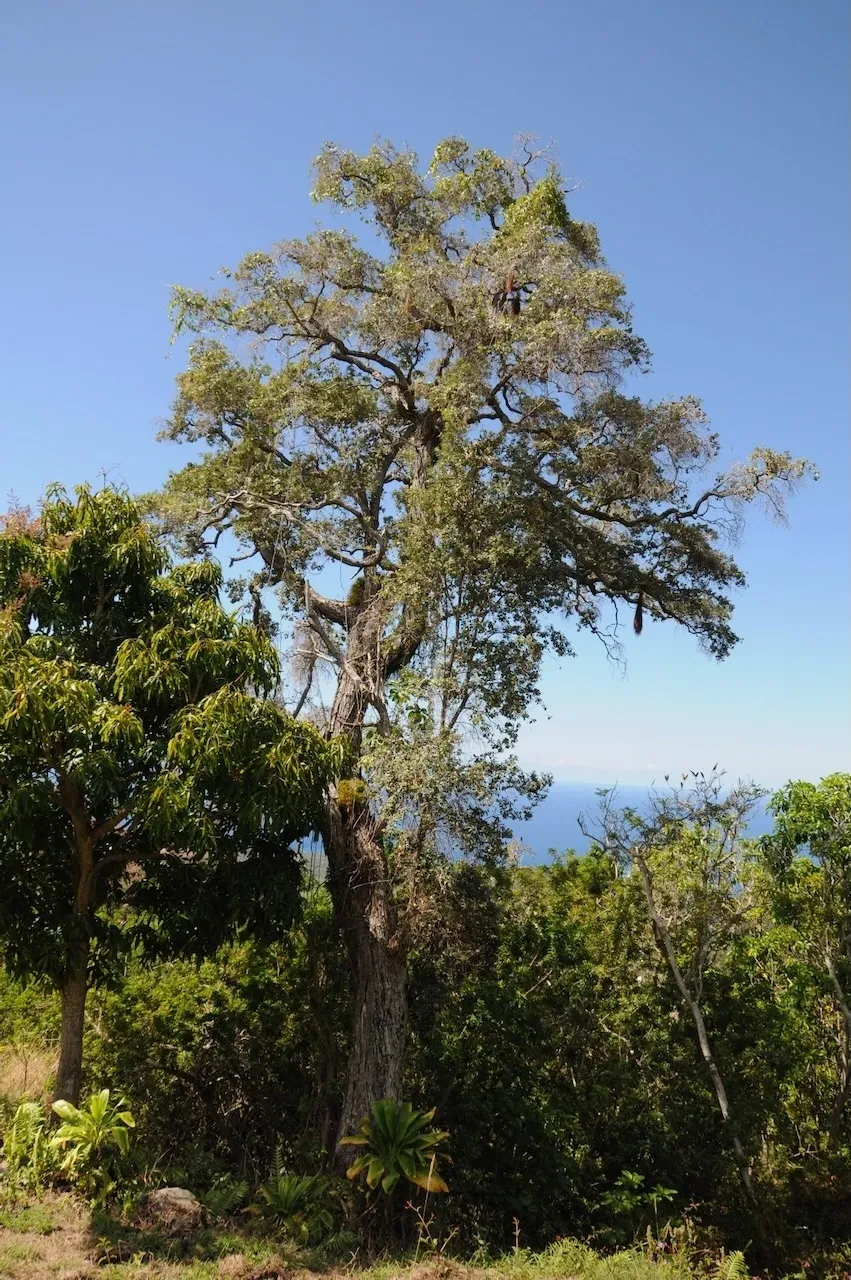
[554, 826]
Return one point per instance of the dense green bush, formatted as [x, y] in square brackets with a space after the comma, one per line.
[224, 1060]
[546, 1031]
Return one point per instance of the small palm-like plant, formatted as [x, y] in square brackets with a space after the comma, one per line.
[90, 1137]
[401, 1144]
[299, 1204]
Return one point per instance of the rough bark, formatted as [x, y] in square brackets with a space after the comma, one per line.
[363, 902]
[75, 978]
[357, 867]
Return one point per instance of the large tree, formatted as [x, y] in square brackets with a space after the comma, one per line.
[430, 440]
[138, 765]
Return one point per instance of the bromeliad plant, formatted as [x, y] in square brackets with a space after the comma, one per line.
[401, 1144]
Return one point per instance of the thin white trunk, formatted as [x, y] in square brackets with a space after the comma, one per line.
[718, 1085]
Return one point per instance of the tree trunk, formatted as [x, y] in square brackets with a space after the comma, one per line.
[834, 1128]
[75, 979]
[667, 946]
[74, 991]
[363, 901]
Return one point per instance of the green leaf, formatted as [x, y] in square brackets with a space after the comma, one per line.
[65, 1110]
[131, 683]
[357, 1166]
[98, 1104]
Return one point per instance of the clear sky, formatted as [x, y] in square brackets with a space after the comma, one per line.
[146, 143]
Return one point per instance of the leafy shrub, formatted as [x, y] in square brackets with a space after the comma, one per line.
[90, 1137]
[634, 1207]
[219, 1058]
[29, 1012]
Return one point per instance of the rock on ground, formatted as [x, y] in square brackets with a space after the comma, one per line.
[172, 1209]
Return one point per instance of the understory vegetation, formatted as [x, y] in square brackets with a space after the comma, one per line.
[547, 1030]
[56, 1237]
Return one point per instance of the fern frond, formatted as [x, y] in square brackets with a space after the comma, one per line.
[732, 1267]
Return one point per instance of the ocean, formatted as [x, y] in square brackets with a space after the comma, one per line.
[554, 827]
[555, 823]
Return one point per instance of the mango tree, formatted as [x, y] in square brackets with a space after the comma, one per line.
[140, 762]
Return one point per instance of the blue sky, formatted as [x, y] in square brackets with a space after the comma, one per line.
[151, 143]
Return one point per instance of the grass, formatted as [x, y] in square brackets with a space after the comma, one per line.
[566, 1259]
[32, 1219]
[25, 1071]
[57, 1238]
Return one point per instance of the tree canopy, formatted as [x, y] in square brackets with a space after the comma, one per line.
[809, 855]
[443, 416]
[139, 762]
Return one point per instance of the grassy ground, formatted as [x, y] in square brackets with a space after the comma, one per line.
[56, 1238]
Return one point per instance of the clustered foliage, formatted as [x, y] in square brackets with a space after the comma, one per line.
[548, 1029]
[442, 421]
[133, 711]
[83, 1151]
